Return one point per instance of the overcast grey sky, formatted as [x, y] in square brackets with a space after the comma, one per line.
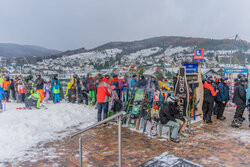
[71, 24]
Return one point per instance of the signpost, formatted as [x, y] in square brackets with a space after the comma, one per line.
[198, 55]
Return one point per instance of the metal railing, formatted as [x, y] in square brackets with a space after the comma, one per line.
[118, 115]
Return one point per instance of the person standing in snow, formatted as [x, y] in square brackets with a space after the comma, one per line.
[12, 89]
[248, 103]
[56, 92]
[240, 100]
[39, 85]
[46, 90]
[222, 98]
[33, 100]
[2, 93]
[151, 87]
[90, 86]
[115, 81]
[21, 91]
[142, 83]
[29, 86]
[6, 87]
[208, 102]
[103, 94]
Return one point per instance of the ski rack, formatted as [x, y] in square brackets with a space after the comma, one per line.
[119, 116]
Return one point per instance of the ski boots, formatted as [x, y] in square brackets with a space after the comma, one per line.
[175, 140]
[236, 123]
[221, 118]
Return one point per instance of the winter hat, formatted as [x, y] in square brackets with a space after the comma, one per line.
[134, 75]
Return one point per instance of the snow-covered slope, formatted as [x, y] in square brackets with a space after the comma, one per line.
[22, 129]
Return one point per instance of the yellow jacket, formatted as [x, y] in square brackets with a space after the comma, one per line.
[163, 85]
[68, 87]
[1, 81]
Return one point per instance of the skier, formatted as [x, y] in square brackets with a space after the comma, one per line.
[240, 100]
[6, 87]
[56, 92]
[55, 78]
[68, 91]
[222, 98]
[115, 81]
[90, 86]
[123, 86]
[39, 85]
[33, 101]
[208, 102]
[142, 83]
[21, 91]
[103, 94]
[12, 89]
[133, 81]
[167, 116]
[29, 86]
[73, 88]
[46, 90]
[2, 93]
[1, 79]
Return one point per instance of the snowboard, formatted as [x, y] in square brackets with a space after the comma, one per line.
[155, 112]
[133, 116]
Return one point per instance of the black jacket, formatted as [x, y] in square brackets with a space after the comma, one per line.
[167, 113]
[39, 83]
[239, 95]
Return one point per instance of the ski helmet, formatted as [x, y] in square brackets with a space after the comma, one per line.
[172, 99]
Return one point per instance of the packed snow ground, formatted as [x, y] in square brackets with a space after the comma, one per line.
[22, 129]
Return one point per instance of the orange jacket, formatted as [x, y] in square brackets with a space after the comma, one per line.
[103, 91]
[210, 87]
[5, 85]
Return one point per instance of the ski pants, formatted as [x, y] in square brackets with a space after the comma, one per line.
[207, 109]
[46, 99]
[92, 95]
[56, 97]
[1, 105]
[41, 94]
[30, 103]
[7, 95]
[73, 95]
[175, 127]
[239, 110]
[13, 94]
[220, 109]
[102, 106]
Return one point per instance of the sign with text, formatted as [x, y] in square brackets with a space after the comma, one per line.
[181, 90]
[199, 54]
[191, 67]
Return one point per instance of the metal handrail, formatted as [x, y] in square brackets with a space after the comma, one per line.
[118, 115]
[98, 123]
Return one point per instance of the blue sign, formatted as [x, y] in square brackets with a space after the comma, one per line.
[191, 67]
[199, 52]
[237, 70]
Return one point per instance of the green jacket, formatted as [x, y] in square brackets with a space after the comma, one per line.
[35, 96]
[1, 81]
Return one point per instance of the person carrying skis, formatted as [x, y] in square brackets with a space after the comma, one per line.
[167, 116]
[6, 87]
[208, 102]
[103, 94]
[239, 99]
[33, 100]
[39, 85]
[222, 99]
[90, 86]
[46, 90]
[56, 92]
[142, 83]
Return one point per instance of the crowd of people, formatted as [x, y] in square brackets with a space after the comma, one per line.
[111, 92]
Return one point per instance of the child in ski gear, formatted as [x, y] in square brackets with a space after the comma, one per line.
[222, 98]
[39, 82]
[68, 91]
[73, 88]
[240, 100]
[56, 92]
[46, 90]
[21, 91]
[167, 116]
[208, 102]
[103, 94]
[6, 87]
[29, 86]
[33, 100]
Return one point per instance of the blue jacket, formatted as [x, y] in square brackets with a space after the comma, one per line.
[2, 92]
[223, 94]
[133, 83]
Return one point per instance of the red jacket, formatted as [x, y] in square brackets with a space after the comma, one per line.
[103, 91]
[210, 87]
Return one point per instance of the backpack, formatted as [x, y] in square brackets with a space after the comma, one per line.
[117, 105]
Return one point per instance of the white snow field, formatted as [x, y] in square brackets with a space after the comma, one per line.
[22, 129]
